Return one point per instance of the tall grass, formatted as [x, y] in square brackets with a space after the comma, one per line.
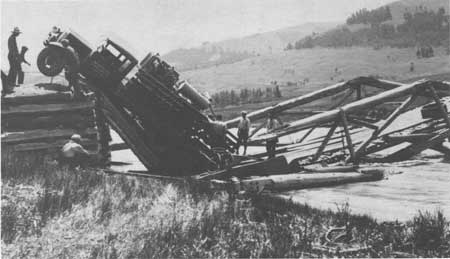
[87, 214]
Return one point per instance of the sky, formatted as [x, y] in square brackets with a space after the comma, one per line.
[163, 25]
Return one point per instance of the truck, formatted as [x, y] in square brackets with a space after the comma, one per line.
[161, 118]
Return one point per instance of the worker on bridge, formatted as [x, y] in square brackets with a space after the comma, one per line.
[243, 132]
[13, 56]
[21, 74]
[273, 123]
[71, 69]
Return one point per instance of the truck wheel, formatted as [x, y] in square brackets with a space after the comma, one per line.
[50, 61]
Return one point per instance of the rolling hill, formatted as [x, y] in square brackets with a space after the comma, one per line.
[321, 66]
[232, 50]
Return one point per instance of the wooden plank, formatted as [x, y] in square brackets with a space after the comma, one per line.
[129, 132]
[347, 133]
[358, 93]
[118, 146]
[325, 142]
[55, 97]
[307, 134]
[409, 138]
[357, 121]
[416, 148]
[441, 148]
[343, 100]
[379, 130]
[330, 169]
[86, 143]
[13, 138]
[104, 135]
[76, 120]
[299, 113]
[39, 109]
[439, 104]
[276, 165]
[304, 181]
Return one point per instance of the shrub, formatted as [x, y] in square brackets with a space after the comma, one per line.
[430, 231]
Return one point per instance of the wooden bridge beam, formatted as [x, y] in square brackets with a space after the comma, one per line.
[325, 142]
[347, 133]
[389, 120]
[437, 100]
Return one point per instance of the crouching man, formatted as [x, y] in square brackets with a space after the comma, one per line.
[74, 154]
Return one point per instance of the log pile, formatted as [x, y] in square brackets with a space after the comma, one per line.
[37, 120]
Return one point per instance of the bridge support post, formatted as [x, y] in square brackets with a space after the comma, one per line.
[103, 135]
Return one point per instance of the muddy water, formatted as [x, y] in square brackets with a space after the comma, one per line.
[410, 186]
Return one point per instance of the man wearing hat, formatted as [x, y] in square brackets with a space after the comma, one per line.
[243, 131]
[73, 153]
[13, 56]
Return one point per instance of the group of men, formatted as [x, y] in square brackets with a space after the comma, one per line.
[244, 126]
[16, 75]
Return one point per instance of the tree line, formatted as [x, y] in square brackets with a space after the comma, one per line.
[422, 27]
[246, 95]
[375, 16]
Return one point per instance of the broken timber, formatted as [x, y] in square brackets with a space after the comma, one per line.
[345, 116]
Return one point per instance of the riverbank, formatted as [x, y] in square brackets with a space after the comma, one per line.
[85, 213]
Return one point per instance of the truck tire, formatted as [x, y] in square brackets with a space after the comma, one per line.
[50, 61]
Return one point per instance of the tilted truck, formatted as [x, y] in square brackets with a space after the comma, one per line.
[160, 118]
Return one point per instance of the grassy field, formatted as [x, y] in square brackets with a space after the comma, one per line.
[319, 66]
[57, 213]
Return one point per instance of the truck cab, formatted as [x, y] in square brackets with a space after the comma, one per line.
[109, 64]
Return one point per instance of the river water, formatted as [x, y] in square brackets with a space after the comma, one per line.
[409, 186]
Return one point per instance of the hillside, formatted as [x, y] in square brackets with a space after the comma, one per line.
[321, 66]
[398, 8]
[232, 50]
[405, 23]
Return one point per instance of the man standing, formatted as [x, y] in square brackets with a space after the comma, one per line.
[71, 69]
[273, 123]
[13, 56]
[21, 74]
[243, 132]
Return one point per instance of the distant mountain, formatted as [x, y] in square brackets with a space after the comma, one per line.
[233, 50]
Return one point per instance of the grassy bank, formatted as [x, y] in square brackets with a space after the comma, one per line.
[86, 214]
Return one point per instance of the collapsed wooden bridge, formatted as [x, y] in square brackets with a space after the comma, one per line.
[364, 136]
[171, 128]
